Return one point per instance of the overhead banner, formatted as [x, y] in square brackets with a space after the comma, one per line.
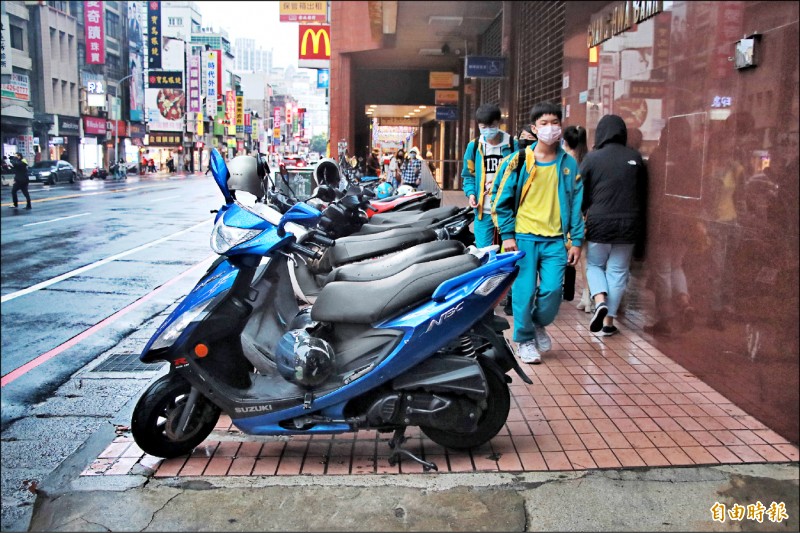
[304, 11]
[165, 109]
[314, 46]
[211, 88]
[136, 55]
[93, 21]
[194, 84]
[165, 79]
[154, 34]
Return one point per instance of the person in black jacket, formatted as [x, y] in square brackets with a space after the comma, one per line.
[20, 179]
[615, 187]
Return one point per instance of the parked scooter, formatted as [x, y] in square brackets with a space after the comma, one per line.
[99, 173]
[420, 347]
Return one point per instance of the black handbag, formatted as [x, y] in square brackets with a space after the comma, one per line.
[569, 283]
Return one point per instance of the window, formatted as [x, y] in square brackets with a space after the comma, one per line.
[17, 38]
[113, 67]
[61, 6]
[112, 25]
[175, 21]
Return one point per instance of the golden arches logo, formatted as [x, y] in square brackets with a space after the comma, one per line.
[315, 35]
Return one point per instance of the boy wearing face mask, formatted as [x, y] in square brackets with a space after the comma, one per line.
[537, 203]
[481, 161]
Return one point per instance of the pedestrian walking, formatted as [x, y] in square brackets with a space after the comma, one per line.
[411, 169]
[615, 187]
[537, 204]
[21, 180]
[482, 159]
[575, 144]
[394, 167]
[373, 164]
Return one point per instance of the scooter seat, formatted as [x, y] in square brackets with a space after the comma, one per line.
[402, 217]
[359, 303]
[395, 263]
[357, 247]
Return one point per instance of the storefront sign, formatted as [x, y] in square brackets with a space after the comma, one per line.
[722, 101]
[314, 46]
[230, 112]
[194, 84]
[136, 131]
[447, 113]
[211, 88]
[158, 138]
[239, 112]
[440, 80]
[398, 121]
[729, 28]
[248, 126]
[154, 34]
[304, 11]
[94, 126]
[288, 113]
[620, 17]
[644, 89]
[116, 128]
[323, 78]
[5, 46]
[200, 127]
[56, 140]
[68, 126]
[18, 88]
[485, 67]
[583, 97]
[165, 79]
[93, 21]
[446, 97]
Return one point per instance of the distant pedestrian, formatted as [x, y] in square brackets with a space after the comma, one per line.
[373, 164]
[615, 187]
[411, 169]
[394, 167]
[151, 165]
[576, 145]
[20, 166]
[482, 159]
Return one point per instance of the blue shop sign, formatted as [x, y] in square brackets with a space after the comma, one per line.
[323, 78]
[447, 112]
[485, 67]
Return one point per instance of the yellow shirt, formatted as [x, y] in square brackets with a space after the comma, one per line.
[539, 211]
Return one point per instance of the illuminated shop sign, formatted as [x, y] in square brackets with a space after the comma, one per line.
[722, 101]
[620, 17]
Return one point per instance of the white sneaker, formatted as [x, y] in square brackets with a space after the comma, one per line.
[542, 339]
[528, 353]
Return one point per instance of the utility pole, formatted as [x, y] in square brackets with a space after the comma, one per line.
[116, 126]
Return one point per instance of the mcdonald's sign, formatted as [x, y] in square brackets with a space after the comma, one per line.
[315, 46]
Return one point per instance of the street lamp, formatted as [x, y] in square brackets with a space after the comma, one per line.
[116, 126]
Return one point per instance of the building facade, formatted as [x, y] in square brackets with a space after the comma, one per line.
[250, 58]
[17, 108]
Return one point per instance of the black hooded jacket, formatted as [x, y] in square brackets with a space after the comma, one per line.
[614, 186]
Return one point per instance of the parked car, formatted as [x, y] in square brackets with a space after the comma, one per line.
[294, 160]
[52, 172]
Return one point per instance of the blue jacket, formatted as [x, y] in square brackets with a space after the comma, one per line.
[509, 190]
[474, 183]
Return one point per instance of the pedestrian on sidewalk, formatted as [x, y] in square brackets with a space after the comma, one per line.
[411, 169]
[395, 163]
[482, 158]
[615, 187]
[537, 204]
[21, 180]
[576, 145]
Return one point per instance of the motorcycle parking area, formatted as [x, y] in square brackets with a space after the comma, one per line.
[595, 403]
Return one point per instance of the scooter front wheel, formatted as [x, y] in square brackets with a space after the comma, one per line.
[157, 413]
[492, 420]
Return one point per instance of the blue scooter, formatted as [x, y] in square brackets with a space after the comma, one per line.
[421, 347]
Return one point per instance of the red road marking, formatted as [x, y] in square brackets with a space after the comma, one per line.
[30, 365]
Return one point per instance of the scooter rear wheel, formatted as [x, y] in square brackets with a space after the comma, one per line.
[492, 420]
[156, 415]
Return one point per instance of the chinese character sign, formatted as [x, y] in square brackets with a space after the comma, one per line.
[230, 112]
[95, 36]
[211, 90]
[304, 11]
[239, 112]
[154, 34]
[194, 84]
[165, 79]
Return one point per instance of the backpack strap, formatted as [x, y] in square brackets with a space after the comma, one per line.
[520, 161]
[474, 147]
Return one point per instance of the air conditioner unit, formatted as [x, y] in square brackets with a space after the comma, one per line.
[431, 52]
[442, 19]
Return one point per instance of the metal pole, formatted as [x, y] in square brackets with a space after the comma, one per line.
[116, 126]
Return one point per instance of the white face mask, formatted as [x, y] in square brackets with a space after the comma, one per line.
[548, 134]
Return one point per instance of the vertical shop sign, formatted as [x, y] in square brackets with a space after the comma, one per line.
[5, 47]
[211, 89]
[136, 55]
[230, 112]
[194, 84]
[239, 112]
[95, 35]
[154, 34]
[248, 123]
[661, 27]
[729, 29]
[288, 113]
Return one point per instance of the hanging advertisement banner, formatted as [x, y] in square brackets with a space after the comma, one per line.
[304, 11]
[230, 112]
[154, 34]
[194, 84]
[18, 87]
[211, 88]
[136, 59]
[94, 21]
[165, 109]
[239, 112]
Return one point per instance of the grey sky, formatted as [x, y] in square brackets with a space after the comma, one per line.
[255, 20]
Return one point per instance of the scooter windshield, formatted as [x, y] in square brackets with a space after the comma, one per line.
[220, 171]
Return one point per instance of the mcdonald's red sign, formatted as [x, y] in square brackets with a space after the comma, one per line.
[315, 42]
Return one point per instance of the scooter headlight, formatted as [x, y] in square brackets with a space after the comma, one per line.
[174, 330]
[223, 237]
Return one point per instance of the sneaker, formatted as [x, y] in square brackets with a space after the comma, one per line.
[609, 330]
[13, 206]
[528, 353]
[542, 339]
[597, 319]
